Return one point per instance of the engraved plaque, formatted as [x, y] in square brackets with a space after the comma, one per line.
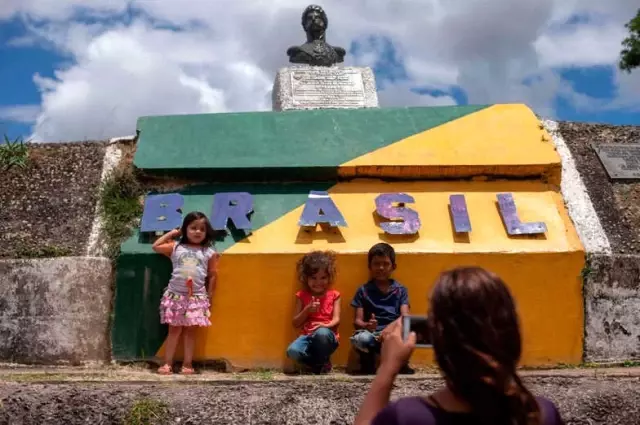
[621, 160]
[333, 88]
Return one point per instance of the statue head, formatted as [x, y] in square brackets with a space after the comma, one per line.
[315, 22]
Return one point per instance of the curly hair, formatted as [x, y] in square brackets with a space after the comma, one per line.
[314, 261]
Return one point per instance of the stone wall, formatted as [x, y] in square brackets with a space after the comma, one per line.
[55, 310]
[612, 307]
[48, 208]
[606, 214]
[55, 288]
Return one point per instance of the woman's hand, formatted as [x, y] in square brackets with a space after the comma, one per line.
[395, 352]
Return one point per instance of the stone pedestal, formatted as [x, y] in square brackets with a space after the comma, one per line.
[316, 87]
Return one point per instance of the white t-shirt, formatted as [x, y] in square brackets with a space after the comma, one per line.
[189, 262]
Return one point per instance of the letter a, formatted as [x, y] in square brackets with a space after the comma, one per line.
[320, 208]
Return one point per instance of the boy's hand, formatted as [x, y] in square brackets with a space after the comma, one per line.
[372, 324]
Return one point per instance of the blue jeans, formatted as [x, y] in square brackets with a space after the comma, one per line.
[366, 341]
[315, 349]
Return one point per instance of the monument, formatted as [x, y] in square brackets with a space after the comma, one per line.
[316, 51]
[314, 81]
[329, 169]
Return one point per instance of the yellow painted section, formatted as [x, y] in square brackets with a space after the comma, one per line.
[506, 140]
[253, 305]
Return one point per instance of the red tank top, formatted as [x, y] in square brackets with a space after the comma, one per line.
[324, 313]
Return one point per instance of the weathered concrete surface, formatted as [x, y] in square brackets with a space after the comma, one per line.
[47, 208]
[581, 399]
[55, 310]
[617, 203]
[612, 308]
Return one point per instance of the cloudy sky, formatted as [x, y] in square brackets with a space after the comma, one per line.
[82, 70]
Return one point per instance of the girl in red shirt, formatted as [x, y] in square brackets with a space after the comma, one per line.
[317, 312]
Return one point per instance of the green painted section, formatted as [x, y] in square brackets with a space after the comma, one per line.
[296, 143]
[142, 274]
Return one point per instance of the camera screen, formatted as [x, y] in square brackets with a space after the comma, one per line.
[420, 326]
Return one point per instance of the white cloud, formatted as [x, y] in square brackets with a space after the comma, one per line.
[25, 114]
[225, 53]
[586, 45]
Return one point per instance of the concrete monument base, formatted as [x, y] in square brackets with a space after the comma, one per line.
[318, 87]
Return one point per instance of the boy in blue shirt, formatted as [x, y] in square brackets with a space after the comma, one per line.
[377, 303]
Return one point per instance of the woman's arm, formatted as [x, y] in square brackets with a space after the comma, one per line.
[378, 396]
[164, 245]
[395, 353]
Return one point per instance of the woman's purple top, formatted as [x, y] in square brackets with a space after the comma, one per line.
[416, 411]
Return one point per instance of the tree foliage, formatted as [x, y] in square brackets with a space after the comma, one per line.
[630, 55]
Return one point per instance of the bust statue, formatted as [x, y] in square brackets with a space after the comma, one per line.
[315, 51]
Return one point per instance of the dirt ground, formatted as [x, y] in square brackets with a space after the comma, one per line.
[583, 397]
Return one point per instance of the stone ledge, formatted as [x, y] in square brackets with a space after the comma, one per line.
[55, 310]
[612, 307]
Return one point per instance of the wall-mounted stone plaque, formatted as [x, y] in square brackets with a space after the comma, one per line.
[621, 160]
[313, 87]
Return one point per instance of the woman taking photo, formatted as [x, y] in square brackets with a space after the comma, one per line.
[476, 338]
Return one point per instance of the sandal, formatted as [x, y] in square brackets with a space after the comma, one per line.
[165, 370]
[187, 371]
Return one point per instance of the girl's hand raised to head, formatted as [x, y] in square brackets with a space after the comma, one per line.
[395, 352]
[175, 233]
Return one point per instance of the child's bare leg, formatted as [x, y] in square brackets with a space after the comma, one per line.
[172, 343]
[189, 346]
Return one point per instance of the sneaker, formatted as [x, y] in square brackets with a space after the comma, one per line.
[323, 369]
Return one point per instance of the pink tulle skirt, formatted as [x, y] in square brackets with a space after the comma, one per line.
[182, 310]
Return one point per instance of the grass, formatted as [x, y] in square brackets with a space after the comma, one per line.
[591, 365]
[47, 251]
[33, 377]
[257, 375]
[13, 153]
[119, 207]
[146, 412]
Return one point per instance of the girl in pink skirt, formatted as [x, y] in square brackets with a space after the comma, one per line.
[186, 300]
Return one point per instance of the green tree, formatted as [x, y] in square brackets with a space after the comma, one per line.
[630, 55]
